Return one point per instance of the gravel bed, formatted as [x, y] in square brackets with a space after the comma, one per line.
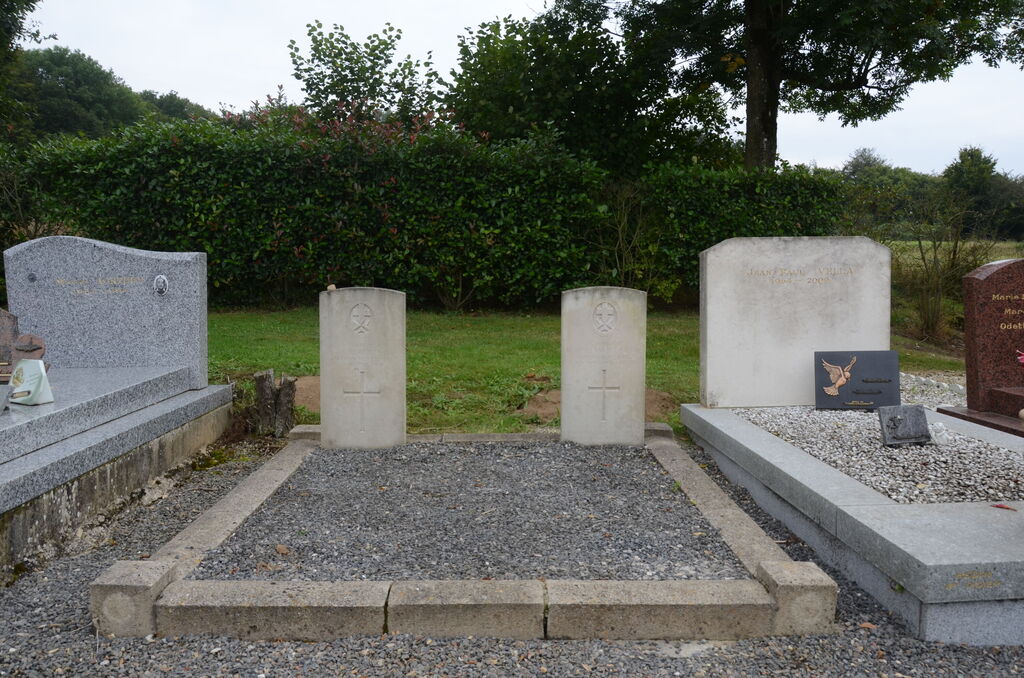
[45, 628]
[472, 511]
[964, 469]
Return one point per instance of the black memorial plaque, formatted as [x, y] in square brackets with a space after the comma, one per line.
[856, 380]
[904, 425]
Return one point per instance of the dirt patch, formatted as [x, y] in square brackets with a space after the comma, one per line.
[307, 393]
[545, 405]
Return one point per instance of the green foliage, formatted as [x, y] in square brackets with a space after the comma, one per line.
[701, 207]
[563, 71]
[13, 28]
[68, 91]
[858, 59]
[172, 105]
[284, 204]
[341, 73]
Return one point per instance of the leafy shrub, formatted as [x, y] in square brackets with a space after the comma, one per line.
[284, 204]
[688, 208]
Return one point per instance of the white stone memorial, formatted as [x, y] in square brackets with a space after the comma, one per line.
[767, 304]
[604, 351]
[29, 384]
[362, 368]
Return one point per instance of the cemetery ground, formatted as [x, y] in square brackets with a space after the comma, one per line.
[481, 369]
[472, 373]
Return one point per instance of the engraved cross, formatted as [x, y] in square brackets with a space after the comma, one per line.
[603, 388]
[362, 393]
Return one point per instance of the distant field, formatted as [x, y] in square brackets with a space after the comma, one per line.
[467, 372]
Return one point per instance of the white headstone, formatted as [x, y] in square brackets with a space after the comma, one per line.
[362, 368]
[767, 304]
[604, 351]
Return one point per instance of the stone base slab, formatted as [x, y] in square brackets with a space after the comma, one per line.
[999, 422]
[648, 610]
[948, 570]
[780, 597]
[46, 496]
[503, 609]
[268, 610]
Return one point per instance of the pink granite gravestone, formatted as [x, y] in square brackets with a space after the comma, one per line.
[994, 338]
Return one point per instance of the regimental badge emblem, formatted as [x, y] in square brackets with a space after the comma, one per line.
[361, 315]
[839, 376]
[605, 317]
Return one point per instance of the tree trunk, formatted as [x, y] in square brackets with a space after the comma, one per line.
[763, 84]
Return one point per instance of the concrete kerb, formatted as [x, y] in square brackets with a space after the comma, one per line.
[135, 598]
[121, 598]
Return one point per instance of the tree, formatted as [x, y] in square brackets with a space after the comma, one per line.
[856, 59]
[363, 76]
[13, 28]
[71, 92]
[565, 71]
[174, 106]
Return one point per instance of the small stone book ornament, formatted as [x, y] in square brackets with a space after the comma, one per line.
[29, 384]
[904, 425]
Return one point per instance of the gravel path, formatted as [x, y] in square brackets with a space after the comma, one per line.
[965, 469]
[45, 628]
[472, 511]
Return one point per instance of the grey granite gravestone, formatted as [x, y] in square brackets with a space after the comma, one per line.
[856, 380]
[104, 305]
[904, 425]
[5, 397]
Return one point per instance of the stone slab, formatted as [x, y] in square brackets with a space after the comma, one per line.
[812, 486]
[903, 425]
[85, 398]
[992, 420]
[942, 552]
[1010, 441]
[53, 515]
[743, 536]
[102, 305]
[219, 522]
[121, 598]
[604, 344]
[362, 368]
[941, 567]
[498, 608]
[805, 597]
[834, 292]
[29, 476]
[270, 610]
[669, 610]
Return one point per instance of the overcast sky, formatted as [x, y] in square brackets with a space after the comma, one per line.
[232, 52]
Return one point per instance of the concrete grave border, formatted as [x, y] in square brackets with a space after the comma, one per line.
[138, 598]
[953, 572]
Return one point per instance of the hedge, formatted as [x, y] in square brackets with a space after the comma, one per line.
[284, 205]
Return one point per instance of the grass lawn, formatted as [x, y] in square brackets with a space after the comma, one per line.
[466, 372]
